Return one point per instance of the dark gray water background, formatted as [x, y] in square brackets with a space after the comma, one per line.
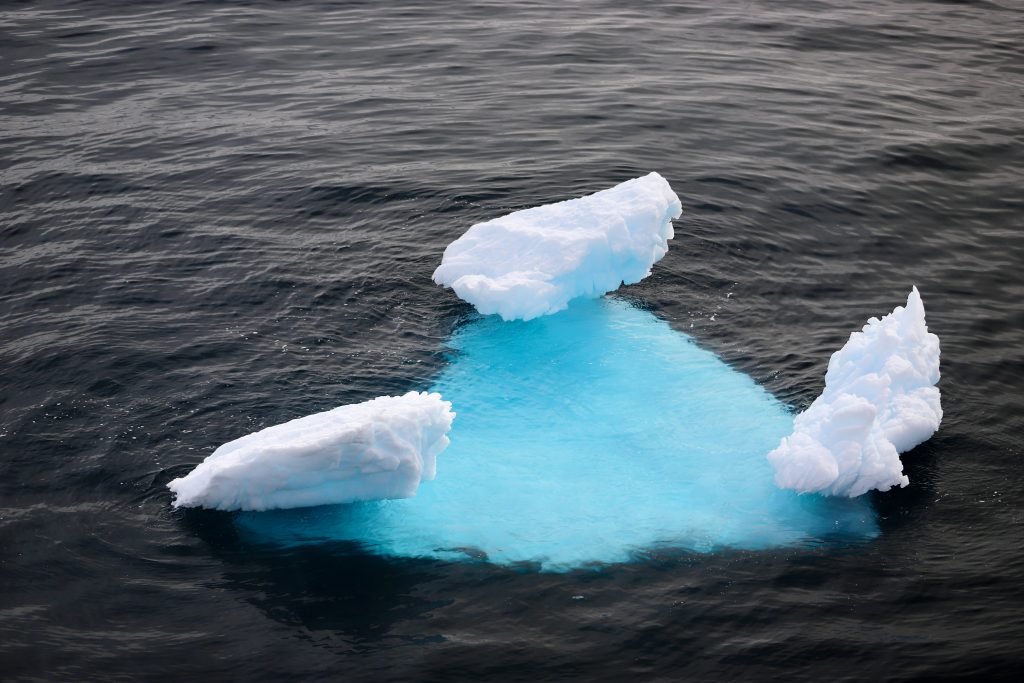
[218, 216]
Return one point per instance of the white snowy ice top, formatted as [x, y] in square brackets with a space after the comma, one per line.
[376, 449]
[533, 262]
[879, 401]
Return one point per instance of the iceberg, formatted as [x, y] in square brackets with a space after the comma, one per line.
[599, 434]
[533, 262]
[373, 450]
[879, 400]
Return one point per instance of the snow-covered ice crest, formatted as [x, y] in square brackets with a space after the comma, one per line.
[880, 400]
[366, 451]
[533, 262]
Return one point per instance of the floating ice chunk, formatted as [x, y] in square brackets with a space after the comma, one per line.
[366, 451]
[533, 262]
[591, 435]
[879, 401]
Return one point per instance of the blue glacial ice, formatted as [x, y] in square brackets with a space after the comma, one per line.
[880, 400]
[588, 436]
[365, 451]
[533, 262]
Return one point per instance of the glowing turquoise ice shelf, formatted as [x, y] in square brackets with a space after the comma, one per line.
[588, 436]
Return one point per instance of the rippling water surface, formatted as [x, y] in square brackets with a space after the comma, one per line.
[215, 217]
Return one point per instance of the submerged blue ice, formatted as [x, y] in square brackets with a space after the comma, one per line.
[592, 435]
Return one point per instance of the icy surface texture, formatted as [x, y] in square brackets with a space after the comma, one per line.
[366, 451]
[533, 262]
[598, 434]
[879, 401]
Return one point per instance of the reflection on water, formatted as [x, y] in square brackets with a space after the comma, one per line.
[589, 436]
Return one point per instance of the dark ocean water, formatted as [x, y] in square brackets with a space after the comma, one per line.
[215, 217]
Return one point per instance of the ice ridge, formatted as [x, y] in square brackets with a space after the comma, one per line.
[879, 400]
[377, 449]
[533, 262]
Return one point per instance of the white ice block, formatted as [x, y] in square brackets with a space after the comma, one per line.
[880, 400]
[533, 262]
[378, 449]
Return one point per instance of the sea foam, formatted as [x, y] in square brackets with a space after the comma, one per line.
[533, 262]
[879, 400]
